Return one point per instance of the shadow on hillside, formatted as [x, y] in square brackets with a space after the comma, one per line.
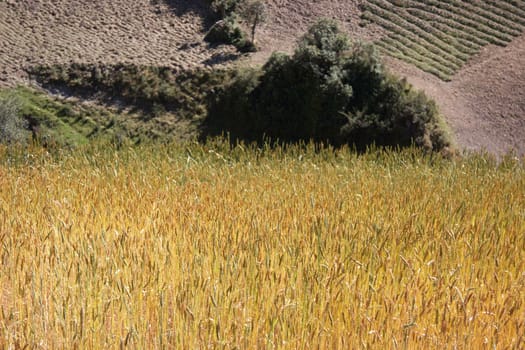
[221, 58]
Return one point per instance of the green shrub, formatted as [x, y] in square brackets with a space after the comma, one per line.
[230, 106]
[228, 31]
[12, 125]
[395, 115]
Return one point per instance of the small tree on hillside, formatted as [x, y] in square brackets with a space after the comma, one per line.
[254, 13]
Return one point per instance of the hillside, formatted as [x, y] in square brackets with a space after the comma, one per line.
[120, 31]
[484, 101]
[471, 62]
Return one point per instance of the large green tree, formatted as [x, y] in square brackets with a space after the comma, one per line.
[329, 90]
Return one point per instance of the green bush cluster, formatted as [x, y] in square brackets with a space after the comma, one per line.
[228, 31]
[327, 91]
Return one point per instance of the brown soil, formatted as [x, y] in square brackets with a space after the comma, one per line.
[111, 31]
[289, 19]
[484, 103]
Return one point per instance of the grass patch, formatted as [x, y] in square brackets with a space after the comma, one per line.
[61, 122]
[69, 122]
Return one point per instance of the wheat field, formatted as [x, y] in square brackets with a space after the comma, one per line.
[207, 246]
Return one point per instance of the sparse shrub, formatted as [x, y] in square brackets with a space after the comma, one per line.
[12, 125]
[254, 13]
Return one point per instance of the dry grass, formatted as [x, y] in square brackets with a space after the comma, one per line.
[205, 247]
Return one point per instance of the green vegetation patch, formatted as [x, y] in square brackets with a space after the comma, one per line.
[148, 103]
[52, 121]
[56, 121]
[12, 126]
[152, 90]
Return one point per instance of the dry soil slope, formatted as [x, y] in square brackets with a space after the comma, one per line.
[484, 103]
[110, 31]
[287, 20]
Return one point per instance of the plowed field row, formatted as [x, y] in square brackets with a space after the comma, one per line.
[440, 36]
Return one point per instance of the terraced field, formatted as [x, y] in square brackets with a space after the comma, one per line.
[439, 37]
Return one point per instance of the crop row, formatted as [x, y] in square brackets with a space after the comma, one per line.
[442, 35]
[410, 36]
[465, 10]
[509, 4]
[425, 29]
[386, 48]
[481, 27]
[485, 13]
[401, 25]
[512, 14]
[455, 28]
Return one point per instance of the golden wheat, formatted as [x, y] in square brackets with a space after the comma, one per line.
[210, 247]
